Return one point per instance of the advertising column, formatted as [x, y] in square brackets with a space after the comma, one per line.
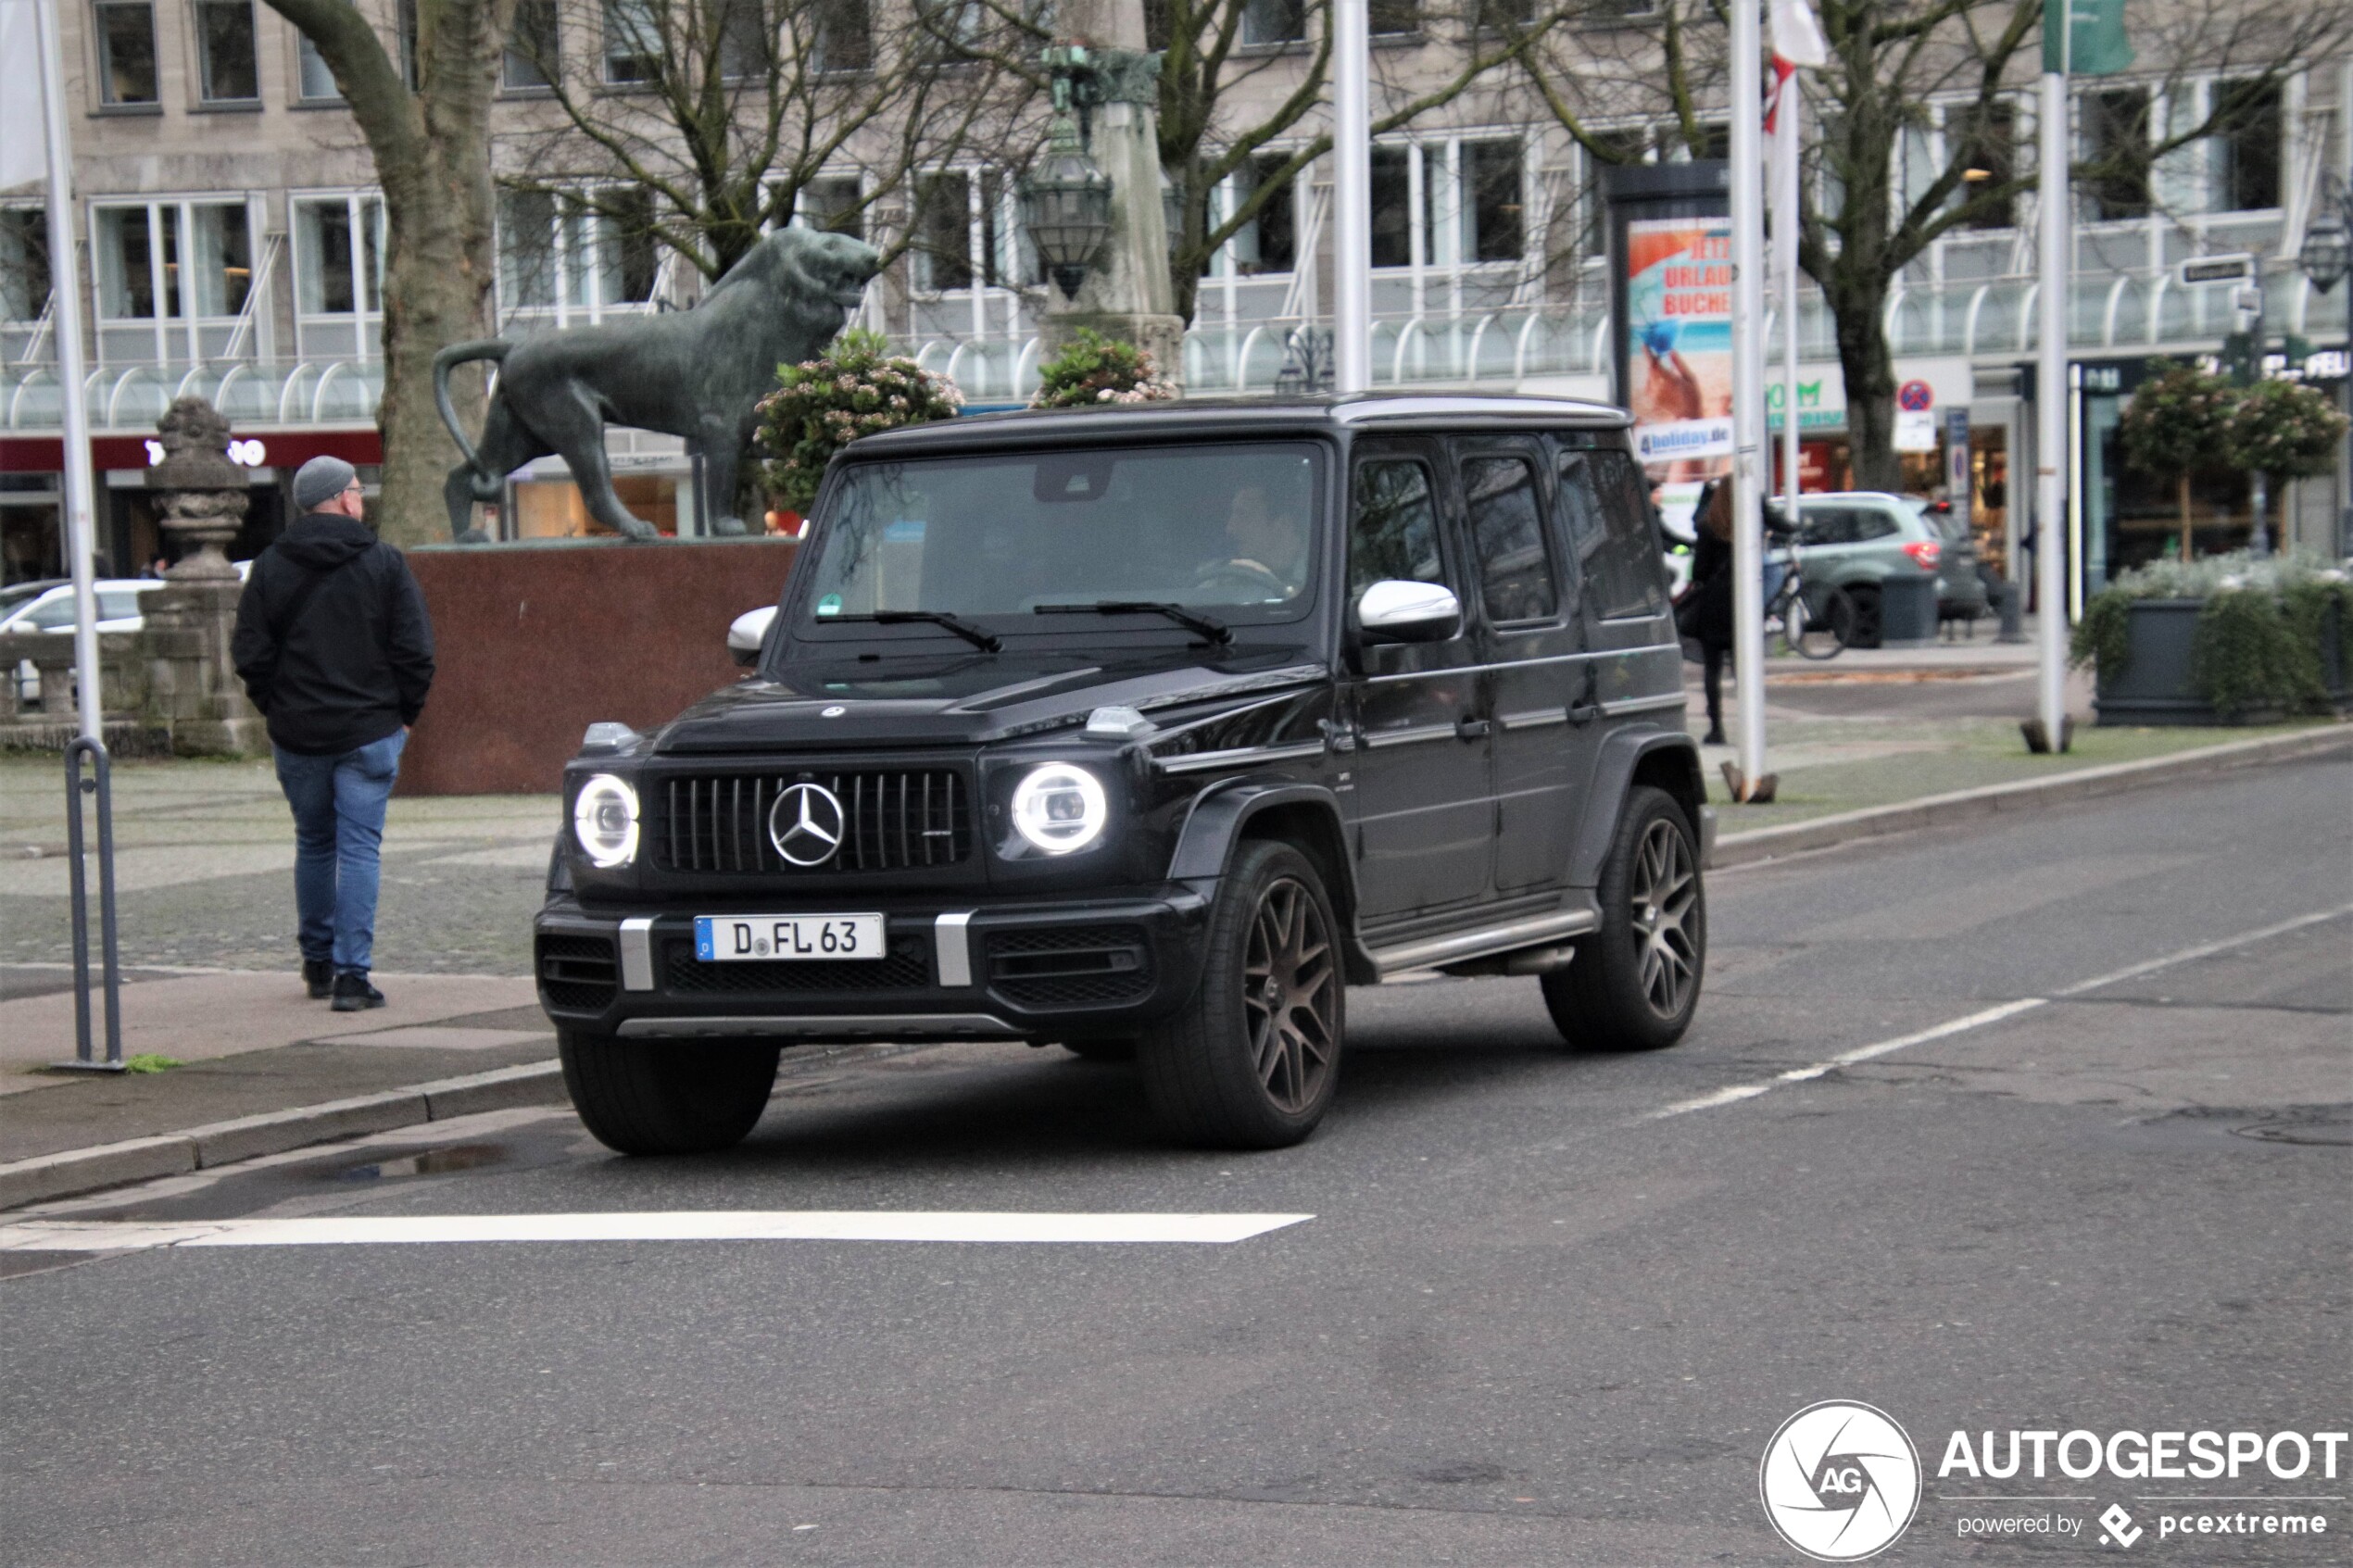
[1671, 314]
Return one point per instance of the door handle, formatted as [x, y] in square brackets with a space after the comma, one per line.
[1339, 736]
[1468, 728]
[1583, 711]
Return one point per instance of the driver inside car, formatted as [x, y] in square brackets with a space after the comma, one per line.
[1269, 559]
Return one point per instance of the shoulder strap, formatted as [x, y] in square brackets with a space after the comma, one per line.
[283, 621]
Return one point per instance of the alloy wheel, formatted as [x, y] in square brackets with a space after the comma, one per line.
[1290, 996]
[1664, 892]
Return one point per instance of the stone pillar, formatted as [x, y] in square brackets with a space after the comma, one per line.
[201, 498]
[1127, 294]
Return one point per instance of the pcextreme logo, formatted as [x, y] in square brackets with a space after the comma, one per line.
[1839, 1481]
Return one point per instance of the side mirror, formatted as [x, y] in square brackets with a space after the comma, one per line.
[1398, 611]
[747, 632]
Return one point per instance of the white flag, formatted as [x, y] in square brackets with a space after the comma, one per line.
[1797, 37]
[23, 143]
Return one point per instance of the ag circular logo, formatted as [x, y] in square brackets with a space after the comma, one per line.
[1839, 1481]
[806, 824]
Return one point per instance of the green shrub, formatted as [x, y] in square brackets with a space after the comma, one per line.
[2258, 645]
[1094, 371]
[855, 388]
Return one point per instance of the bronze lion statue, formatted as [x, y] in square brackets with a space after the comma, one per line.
[697, 373]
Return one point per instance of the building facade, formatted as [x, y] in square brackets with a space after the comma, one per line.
[231, 244]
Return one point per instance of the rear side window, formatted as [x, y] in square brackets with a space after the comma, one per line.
[51, 615]
[1606, 513]
[120, 605]
[1392, 533]
[1876, 525]
[1507, 530]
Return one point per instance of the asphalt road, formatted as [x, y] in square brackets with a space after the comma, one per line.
[1532, 1320]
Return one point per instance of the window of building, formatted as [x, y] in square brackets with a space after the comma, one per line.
[127, 52]
[338, 255]
[226, 71]
[1507, 530]
[1274, 21]
[1615, 148]
[747, 44]
[955, 27]
[1394, 219]
[632, 42]
[1391, 17]
[842, 34]
[1494, 209]
[583, 251]
[531, 59]
[140, 256]
[313, 81]
[1393, 535]
[2114, 124]
[1268, 242]
[2246, 151]
[1985, 139]
[24, 263]
[1502, 16]
[957, 214]
[833, 203]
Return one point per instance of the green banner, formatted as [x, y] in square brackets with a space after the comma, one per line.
[2090, 40]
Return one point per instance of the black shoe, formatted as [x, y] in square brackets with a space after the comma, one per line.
[1713, 737]
[353, 993]
[319, 978]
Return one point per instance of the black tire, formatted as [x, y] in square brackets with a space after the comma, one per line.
[1635, 983]
[666, 1097]
[1104, 1050]
[1250, 1060]
[1867, 620]
[1826, 623]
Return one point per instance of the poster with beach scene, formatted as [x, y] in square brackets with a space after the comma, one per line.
[1679, 298]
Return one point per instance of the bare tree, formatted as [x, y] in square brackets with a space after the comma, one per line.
[1213, 51]
[1866, 216]
[426, 117]
[700, 123]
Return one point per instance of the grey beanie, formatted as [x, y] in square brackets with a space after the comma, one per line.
[320, 481]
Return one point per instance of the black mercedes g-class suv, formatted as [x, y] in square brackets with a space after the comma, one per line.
[1147, 731]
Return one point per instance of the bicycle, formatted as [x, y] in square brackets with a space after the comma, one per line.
[1816, 625]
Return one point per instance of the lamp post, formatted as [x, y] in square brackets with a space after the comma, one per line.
[1065, 206]
[2326, 256]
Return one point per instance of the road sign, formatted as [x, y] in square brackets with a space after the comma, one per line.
[1914, 398]
[2238, 267]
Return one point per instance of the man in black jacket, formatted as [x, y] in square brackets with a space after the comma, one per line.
[334, 649]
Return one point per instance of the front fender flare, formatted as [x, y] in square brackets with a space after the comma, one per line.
[1222, 816]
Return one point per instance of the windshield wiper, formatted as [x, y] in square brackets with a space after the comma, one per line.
[1208, 626]
[986, 642]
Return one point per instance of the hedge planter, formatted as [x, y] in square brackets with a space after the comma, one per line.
[2157, 685]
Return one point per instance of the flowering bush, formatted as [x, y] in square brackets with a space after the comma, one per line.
[855, 388]
[1093, 371]
[2285, 430]
[2178, 423]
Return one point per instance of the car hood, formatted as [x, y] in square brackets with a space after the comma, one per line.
[971, 700]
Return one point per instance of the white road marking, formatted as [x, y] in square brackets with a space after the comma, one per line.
[1733, 1094]
[122, 1235]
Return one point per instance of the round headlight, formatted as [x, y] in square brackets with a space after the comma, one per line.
[604, 819]
[1059, 808]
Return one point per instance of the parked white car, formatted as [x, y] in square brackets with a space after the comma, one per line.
[51, 610]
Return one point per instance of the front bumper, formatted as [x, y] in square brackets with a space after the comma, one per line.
[1033, 969]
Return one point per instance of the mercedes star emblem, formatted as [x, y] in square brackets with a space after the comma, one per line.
[806, 824]
[835, 712]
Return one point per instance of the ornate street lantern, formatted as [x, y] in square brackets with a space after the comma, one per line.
[2328, 250]
[1065, 204]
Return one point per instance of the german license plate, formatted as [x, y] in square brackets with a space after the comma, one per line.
[766, 938]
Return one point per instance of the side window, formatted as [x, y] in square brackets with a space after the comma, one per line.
[1835, 526]
[1875, 525]
[51, 615]
[1392, 529]
[120, 605]
[1607, 516]
[1507, 532]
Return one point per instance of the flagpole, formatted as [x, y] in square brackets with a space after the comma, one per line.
[1786, 138]
[1748, 398]
[2049, 730]
[1351, 196]
[65, 284]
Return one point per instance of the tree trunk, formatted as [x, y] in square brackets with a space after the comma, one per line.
[436, 293]
[2184, 491]
[1858, 305]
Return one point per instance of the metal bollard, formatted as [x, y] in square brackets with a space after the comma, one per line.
[2013, 614]
[100, 784]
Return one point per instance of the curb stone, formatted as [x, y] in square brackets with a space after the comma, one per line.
[74, 1171]
[1970, 805]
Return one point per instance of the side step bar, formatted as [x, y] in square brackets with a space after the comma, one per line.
[1540, 930]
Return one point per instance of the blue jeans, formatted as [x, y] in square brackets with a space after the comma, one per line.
[339, 826]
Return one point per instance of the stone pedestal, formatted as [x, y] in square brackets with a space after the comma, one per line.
[1127, 294]
[201, 500]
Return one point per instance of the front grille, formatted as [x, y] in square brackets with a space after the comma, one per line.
[1069, 966]
[580, 974]
[890, 820]
[906, 968]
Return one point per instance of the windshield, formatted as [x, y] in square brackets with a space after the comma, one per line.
[1227, 529]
